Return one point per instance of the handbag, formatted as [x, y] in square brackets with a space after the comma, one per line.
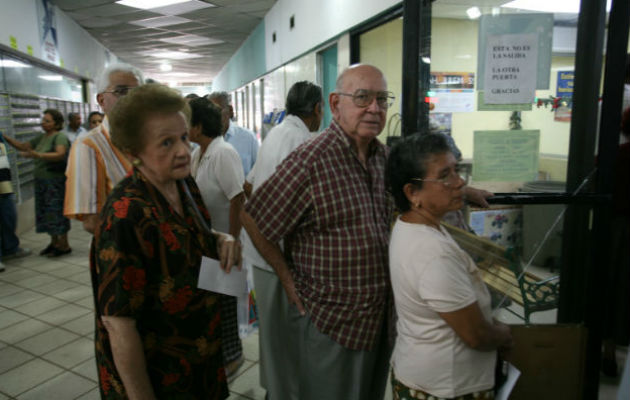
[57, 166]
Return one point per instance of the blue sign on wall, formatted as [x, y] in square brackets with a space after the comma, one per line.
[564, 87]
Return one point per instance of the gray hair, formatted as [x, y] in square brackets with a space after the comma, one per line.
[222, 97]
[303, 98]
[103, 82]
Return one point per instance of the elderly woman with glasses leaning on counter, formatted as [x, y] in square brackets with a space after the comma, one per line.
[447, 340]
[157, 335]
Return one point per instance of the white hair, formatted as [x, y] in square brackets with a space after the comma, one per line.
[103, 81]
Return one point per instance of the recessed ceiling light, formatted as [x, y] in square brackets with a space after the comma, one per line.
[473, 12]
[556, 6]
[51, 77]
[13, 64]
[147, 4]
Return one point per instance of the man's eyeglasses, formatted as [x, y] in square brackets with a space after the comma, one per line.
[363, 98]
[120, 91]
[451, 180]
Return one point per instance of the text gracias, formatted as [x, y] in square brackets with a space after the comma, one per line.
[507, 73]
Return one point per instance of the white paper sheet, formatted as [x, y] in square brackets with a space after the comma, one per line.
[214, 279]
[506, 388]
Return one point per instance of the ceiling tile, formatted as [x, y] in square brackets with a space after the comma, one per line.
[182, 8]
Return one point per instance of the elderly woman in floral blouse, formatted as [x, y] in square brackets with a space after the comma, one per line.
[157, 333]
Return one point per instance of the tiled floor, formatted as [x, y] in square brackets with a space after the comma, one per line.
[47, 324]
[47, 327]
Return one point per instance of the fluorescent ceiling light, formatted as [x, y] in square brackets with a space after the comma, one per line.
[555, 6]
[180, 74]
[13, 64]
[147, 4]
[51, 77]
[426, 60]
[158, 22]
[182, 8]
[164, 67]
[191, 40]
[473, 12]
[171, 55]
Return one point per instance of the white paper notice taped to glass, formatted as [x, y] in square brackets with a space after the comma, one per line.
[511, 66]
[214, 279]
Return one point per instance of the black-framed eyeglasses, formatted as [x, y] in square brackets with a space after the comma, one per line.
[120, 91]
[364, 97]
[451, 180]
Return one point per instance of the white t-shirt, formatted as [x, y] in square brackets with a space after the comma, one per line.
[278, 144]
[430, 273]
[219, 175]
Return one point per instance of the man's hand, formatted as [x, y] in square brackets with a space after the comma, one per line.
[292, 295]
[477, 196]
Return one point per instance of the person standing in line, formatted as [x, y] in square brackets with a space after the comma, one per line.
[95, 118]
[216, 168]
[49, 152]
[74, 128]
[243, 140]
[9, 242]
[278, 354]
[95, 165]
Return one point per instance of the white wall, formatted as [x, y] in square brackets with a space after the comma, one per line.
[80, 52]
[315, 23]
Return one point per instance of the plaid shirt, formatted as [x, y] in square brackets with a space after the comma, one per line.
[334, 216]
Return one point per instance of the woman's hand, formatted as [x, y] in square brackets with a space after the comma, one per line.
[28, 154]
[229, 250]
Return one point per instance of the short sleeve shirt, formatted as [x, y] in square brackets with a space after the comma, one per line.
[48, 144]
[145, 265]
[431, 274]
[333, 214]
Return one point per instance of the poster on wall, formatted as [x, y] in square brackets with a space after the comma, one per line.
[510, 68]
[506, 156]
[442, 122]
[564, 90]
[452, 91]
[48, 31]
[540, 25]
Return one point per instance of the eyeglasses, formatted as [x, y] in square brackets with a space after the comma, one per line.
[363, 98]
[451, 180]
[120, 91]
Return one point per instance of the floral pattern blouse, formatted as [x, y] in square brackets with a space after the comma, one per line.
[145, 265]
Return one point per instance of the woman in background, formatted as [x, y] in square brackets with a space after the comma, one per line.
[447, 340]
[49, 152]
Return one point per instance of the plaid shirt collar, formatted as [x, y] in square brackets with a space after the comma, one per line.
[375, 146]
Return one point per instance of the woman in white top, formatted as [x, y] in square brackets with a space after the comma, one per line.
[218, 172]
[447, 340]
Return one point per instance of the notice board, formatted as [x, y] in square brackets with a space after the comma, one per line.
[505, 156]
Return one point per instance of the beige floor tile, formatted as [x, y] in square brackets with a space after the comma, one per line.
[87, 369]
[27, 376]
[10, 357]
[87, 302]
[27, 262]
[23, 330]
[82, 277]
[75, 293]
[3, 397]
[14, 275]
[93, 394]
[64, 386]
[66, 271]
[37, 280]
[8, 289]
[49, 264]
[71, 354]
[63, 314]
[46, 341]
[40, 306]
[247, 384]
[56, 286]
[10, 317]
[82, 325]
[19, 298]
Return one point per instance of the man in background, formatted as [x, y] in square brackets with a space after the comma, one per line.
[243, 140]
[74, 128]
[278, 352]
[95, 165]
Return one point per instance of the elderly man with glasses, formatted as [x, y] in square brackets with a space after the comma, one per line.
[95, 165]
[327, 201]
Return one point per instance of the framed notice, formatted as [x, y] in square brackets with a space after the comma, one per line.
[453, 91]
[506, 156]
